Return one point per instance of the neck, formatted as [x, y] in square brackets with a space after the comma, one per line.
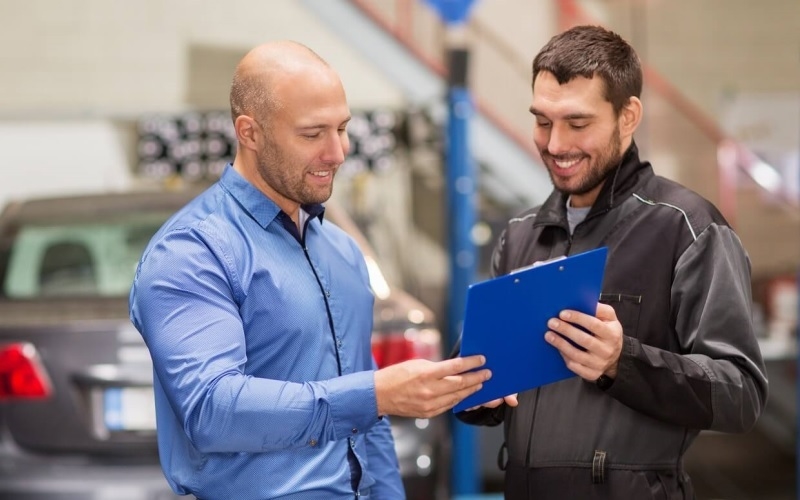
[248, 170]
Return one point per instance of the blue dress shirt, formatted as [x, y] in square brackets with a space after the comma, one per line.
[260, 340]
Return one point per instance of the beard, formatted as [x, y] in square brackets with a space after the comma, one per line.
[287, 178]
[596, 172]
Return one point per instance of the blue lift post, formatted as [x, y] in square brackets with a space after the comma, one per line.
[460, 217]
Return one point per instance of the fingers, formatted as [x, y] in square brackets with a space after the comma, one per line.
[510, 400]
[489, 404]
[467, 380]
[421, 388]
[567, 331]
[580, 360]
[605, 312]
[459, 395]
[596, 325]
[592, 324]
[457, 387]
[453, 388]
[428, 408]
[601, 348]
[604, 327]
[458, 365]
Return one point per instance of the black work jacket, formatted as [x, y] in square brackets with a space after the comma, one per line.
[679, 281]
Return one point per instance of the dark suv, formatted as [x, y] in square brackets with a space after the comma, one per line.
[77, 418]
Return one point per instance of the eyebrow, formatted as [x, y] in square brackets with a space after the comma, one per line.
[570, 116]
[322, 126]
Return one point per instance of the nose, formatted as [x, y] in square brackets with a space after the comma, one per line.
[558, 140]
[336, 148]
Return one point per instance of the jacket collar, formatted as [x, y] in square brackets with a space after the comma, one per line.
[618, 185]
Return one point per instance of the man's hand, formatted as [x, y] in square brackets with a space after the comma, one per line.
[510, 400]
[423, 389]
[602, 348]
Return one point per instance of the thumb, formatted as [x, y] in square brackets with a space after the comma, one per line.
[605, 312]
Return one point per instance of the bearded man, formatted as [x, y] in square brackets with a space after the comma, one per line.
[671, 349]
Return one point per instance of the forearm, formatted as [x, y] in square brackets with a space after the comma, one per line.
[692, 391]
[717, 380]
[248, 414]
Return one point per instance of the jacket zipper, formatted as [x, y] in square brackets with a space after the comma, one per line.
[530, 434]
[536, 398]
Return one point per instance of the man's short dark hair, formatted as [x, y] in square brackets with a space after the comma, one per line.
[590, 51]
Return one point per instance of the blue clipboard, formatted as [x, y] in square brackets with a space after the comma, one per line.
[506, 319]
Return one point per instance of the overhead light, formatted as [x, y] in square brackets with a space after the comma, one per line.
[766, 176]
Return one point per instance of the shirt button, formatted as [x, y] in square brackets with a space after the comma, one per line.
[312, 442]
[355, 431]
[328, 293]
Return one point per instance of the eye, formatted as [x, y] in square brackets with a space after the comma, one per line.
[542, 124]
[311, 136]
[579, 126]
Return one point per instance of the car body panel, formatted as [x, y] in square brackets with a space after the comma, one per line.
[97, 429]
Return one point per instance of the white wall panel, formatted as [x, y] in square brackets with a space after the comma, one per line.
[106, 57]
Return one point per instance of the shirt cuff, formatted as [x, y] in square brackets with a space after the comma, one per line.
[353, 405]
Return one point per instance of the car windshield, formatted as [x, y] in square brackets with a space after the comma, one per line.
[77, 258]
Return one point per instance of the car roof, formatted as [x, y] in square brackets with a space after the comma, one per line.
[110, 205]
[77, 207]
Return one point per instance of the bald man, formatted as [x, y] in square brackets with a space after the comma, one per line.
[258, 313]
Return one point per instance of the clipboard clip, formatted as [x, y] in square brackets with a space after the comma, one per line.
[537, 264]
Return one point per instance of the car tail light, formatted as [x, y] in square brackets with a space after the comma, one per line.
[393, 347]
[21, 373]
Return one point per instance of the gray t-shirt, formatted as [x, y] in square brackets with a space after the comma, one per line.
[575, 215]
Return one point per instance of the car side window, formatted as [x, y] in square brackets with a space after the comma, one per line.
[77, 259]
[67, 268]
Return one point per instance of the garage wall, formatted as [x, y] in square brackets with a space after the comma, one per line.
[106, 57]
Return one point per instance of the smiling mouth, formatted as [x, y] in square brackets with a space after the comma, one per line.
[322, 174]
[565, 164]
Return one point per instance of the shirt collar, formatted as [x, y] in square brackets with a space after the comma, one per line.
[256, 203]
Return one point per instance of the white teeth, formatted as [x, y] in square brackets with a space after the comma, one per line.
[566, 164]
[324, 173]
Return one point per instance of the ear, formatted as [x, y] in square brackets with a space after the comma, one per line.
[246, 132]
[630, 116]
